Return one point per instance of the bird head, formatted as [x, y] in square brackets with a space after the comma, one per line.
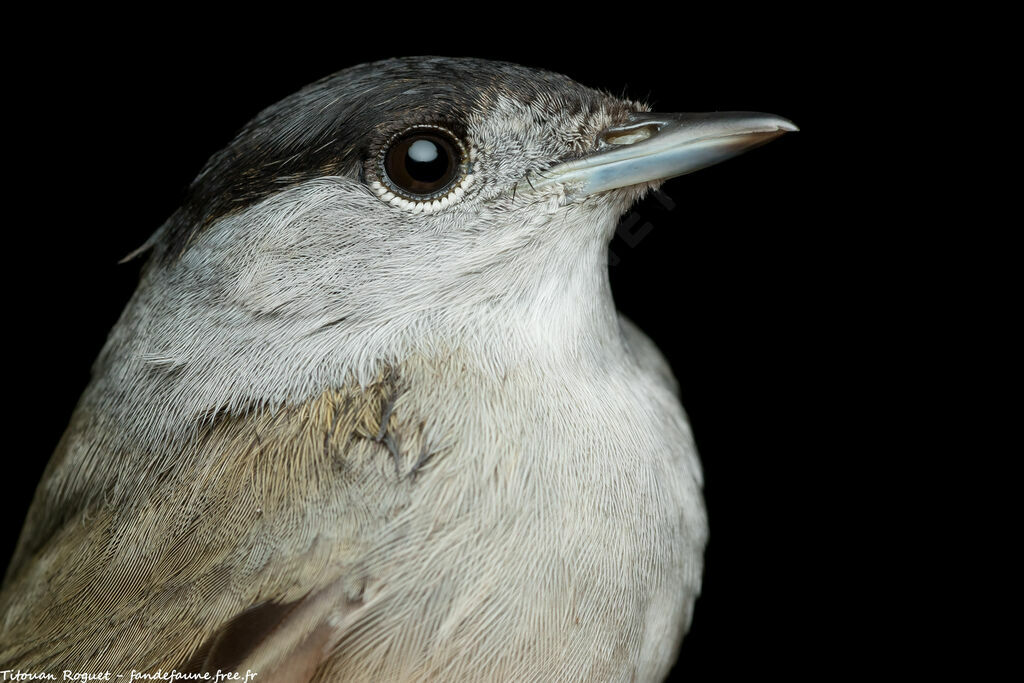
[408, 206]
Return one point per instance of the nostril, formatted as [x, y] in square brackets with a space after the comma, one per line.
[623, 135]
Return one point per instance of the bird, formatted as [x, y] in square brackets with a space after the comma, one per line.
[371, 412]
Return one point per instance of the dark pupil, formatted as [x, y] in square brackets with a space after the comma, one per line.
[421, 164]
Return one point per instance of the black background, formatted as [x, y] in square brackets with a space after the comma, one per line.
[742, 283]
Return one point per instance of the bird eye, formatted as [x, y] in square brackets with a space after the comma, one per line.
[423, 169]
[423, 163]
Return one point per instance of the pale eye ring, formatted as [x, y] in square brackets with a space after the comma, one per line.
[424, 168]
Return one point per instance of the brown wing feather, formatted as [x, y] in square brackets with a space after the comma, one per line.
[250, 540]
[285, 642]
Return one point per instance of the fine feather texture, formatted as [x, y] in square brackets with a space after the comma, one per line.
[171, 570]
[332, 439]
[158, 567]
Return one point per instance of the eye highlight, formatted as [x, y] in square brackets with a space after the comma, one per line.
[424, 169]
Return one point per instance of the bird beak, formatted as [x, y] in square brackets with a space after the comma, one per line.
[651, 147]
